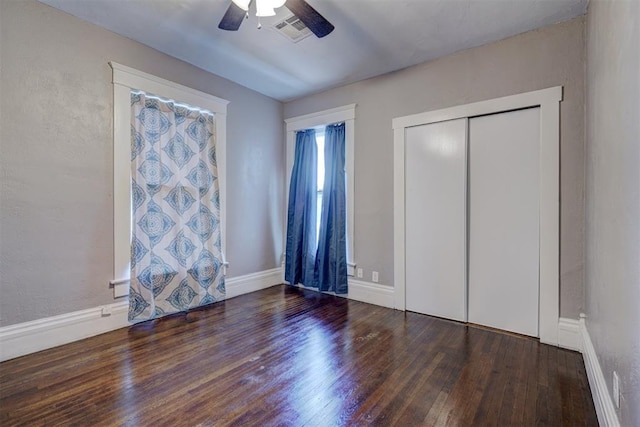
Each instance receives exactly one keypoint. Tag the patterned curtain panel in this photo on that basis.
(176, 255)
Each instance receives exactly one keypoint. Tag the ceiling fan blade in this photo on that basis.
(310, 17)
(232, 18)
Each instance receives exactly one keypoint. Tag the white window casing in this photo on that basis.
(126, 79)
(346, 114)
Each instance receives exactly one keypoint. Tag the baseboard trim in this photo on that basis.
(371, 293)
(253, 282)
(569, 336)
(607, 416)
(37, 335)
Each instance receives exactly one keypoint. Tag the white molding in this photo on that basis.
(548, 101)
(121, 184)
(136, 79)
(253, 282)
(124, 80)
(569, 336)
(121, 290)
(30, 337)
(549, 245)
(351, 268)
(371, 293)
(321, 118)
(350, 172)
(359, 290)
(399, 265)
(607, 416)
(506, 103)
(346, 114)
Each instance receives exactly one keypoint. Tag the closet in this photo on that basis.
(436, 219)
(503, 220)
(474, 196)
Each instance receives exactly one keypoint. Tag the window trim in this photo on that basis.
(126, 79)
(346, 114)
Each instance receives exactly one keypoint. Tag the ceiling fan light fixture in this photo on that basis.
(306, 14)
(265, 8)
(242, 4)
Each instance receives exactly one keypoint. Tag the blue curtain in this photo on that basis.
(331, 259)
(301, 216)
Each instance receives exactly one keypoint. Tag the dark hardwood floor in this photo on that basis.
(288, 357)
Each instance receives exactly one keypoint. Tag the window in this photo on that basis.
(126, 79)
(318, 121)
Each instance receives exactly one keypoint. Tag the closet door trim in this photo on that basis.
(549, 102)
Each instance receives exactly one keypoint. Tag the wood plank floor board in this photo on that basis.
(397, 377)
(290, 357)
(426, 362)
(531, 378)
(352, 381)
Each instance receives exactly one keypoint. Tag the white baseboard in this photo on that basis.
(569, 336)
(372, 293)
(253, 282)
(30, 337)
(607, 416)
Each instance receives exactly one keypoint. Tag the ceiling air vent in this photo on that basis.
(292, 28)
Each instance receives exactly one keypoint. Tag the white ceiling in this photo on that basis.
(372, 37)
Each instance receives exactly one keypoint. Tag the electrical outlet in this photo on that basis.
(374, 276)
(359, 273)
(616, 389)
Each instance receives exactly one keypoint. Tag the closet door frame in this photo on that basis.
(549, 256)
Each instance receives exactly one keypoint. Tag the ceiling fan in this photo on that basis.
(239, 9)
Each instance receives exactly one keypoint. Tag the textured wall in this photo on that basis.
(539, 59)
(56, 249)
(613, 196)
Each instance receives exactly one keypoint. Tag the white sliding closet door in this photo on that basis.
(504, 151)
(435, 219)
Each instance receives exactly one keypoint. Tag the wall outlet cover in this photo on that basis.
(374, 276)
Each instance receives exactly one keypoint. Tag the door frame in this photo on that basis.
(549, 247)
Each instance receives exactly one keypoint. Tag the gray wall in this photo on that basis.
(56, 196)
(613, 196)
(539, 59)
